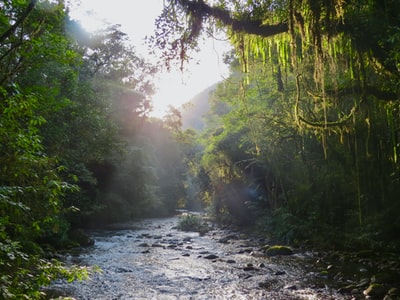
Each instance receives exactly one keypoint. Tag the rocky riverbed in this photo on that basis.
(152, 259)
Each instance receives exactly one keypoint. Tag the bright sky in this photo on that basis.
(136, 18)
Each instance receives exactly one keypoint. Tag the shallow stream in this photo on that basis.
(152, 259)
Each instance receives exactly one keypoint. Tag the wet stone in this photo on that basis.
(223, 240)
(247, 250)
(249, 267)
(122, 270)
(291, 287)
(375, 290)
(394, 292)
(363, 283)
(211, 256)
(278, 273)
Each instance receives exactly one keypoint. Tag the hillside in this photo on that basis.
(194, 110)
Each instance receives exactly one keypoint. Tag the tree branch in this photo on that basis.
(24, 15)
(224, 16)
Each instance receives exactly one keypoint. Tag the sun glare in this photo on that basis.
(137, 21)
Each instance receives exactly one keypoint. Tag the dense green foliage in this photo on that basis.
(304, 136)
(76, 145)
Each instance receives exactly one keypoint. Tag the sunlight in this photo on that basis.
(178, 88)
(172, 88)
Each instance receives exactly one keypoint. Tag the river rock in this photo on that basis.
(392, 294)
(388, 297)
(347, 289)
(375, 290)
(247, 250)
(123, 270)
(257, 254)
(211, 256)
(278, 250)
(291, 287)
(277, 273)
(225, 239)
(363, 283)
(249, 267)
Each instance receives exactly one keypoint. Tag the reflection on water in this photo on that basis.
(151, 259)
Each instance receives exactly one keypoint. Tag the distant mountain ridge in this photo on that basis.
(194, 110)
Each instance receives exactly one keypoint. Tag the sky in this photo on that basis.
(136, 18)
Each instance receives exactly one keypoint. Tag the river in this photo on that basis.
(152, 259)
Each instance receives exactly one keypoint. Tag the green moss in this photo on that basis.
(375, 290)
(278, 250)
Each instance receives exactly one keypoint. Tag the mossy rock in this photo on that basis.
(375, 290)
(278, 250)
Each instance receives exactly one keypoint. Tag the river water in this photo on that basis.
(152, 259)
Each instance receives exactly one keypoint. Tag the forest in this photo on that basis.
(301, 142)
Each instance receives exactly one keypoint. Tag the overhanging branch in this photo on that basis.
(256, 27)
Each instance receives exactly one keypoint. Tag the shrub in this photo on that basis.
(191, 222)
